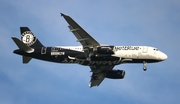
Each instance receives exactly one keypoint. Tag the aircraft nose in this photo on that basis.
(163, 56)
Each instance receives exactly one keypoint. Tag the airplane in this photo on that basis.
(100, 58)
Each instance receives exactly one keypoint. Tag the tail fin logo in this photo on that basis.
(28, 38)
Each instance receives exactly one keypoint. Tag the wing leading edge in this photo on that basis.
(82, 36)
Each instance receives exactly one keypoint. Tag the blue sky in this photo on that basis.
(118, 22)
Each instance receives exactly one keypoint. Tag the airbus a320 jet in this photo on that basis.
(100, 58)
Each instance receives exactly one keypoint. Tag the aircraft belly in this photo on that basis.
(90, 63)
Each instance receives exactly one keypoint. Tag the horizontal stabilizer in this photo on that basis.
(22, 46)
(26, 59)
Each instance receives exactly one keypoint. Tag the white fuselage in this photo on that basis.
(131, 52)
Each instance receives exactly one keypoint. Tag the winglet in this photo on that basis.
(62, 14)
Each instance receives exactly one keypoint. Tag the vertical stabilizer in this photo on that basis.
(28, 38)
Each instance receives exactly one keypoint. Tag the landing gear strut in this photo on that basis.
(144, 65)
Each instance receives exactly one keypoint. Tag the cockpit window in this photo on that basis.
(156, 49)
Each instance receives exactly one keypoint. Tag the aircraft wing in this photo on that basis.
(98, 74)
(82, 36)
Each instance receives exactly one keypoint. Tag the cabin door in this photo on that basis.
(43, 50)
(145, 49)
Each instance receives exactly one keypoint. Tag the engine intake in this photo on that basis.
(104, 50)
(115, 74)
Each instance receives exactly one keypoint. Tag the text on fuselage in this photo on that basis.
(57, 53)
(92, 62)
(127, 48)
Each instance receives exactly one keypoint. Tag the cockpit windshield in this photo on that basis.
(156, 49)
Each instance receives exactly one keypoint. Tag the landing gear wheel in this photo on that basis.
(144, 66)
(88, 59)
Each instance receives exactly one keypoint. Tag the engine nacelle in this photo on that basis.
(104, 50)
(115, 74)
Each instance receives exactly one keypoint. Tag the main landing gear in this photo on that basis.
(144, 65)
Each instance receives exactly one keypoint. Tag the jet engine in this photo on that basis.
(104, 50)
(115, 74)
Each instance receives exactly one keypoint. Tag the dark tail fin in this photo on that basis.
(28, 38)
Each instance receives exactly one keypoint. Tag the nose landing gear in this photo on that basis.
(144, 65)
